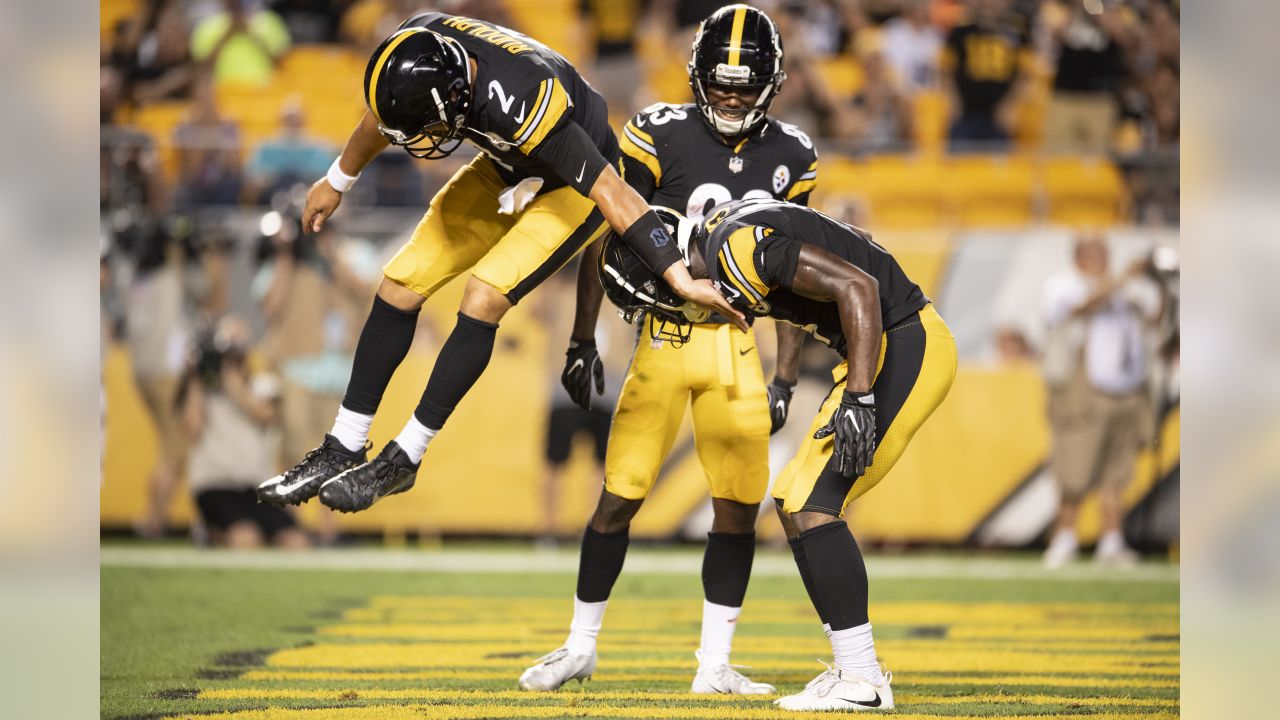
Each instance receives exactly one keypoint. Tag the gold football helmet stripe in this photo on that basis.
(381, 63)
(735, 35)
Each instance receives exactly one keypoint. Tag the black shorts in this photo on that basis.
(221, 509)
(567, 422)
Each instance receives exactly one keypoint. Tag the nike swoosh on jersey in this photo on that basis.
(744, 352)
(581, 172)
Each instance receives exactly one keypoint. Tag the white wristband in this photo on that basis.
(339, 180)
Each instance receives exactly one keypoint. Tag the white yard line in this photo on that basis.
(639, 561)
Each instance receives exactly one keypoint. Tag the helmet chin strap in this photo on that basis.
(750, 117)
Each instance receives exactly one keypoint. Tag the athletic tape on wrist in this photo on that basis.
(339, 180)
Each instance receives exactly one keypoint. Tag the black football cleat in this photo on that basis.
(301, 482)
(360, 487)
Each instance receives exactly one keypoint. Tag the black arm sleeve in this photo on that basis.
(639, 177)
(776, 259)
(651, 241)
(570, 151)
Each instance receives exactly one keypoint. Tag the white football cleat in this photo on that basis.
(1062, 550)
(726, 680)
(1112, 551)
(556, 669)
(838, 691)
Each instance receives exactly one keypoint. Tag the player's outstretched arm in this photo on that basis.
(326, 193)
(626, 211)
(825, 277)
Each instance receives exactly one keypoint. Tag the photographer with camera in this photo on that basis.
(1098, 364)
(231, 419)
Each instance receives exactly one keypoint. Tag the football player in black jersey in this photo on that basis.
(723, 146)
(542, 188)
(898, 362)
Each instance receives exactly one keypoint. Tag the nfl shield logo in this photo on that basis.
(735, 164)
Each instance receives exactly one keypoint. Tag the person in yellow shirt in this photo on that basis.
(240, 46)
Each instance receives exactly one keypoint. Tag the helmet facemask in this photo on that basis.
(750, 115)
(445, 114)
(640, 294)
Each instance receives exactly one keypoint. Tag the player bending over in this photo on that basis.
(541, 189)
(682, 156)
(899, 360)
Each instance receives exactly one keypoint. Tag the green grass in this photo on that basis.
(193, 640)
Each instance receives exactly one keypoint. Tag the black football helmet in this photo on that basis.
(639, 292)
(418, 87)
(737, 46)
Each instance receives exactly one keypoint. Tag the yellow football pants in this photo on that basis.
(718, 372)
(463, 229)
(916, 369)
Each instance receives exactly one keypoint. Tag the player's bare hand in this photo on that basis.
(322, 201)
(703, 293)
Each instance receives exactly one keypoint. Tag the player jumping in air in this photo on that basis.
(542, 188)
(723, 146)
(899, 360)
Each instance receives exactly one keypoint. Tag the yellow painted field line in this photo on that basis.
(747, 644)
(603, 677)
(372, 656)
(477, 712)
(636, 697)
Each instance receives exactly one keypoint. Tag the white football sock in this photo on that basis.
(413, 439)
(1110, 543)
(718, 624)
(587, 620)
(351, 428)
(855, 653)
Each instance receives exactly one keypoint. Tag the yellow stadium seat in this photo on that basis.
(1083, 191)
(158, 120)
(320, 64)
(991, 191)
(842, 74)
(905, 191)
(931, 116)
(111, 12)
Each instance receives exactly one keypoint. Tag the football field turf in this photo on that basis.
(366, 634)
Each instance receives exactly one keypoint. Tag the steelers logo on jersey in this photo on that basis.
(781, 177)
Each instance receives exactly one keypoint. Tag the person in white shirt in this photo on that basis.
(1097, 366)
(911, 45)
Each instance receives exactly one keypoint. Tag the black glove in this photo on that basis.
(779, 402)
(854, 425)
(582, 367)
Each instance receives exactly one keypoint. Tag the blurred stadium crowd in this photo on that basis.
(216, 115)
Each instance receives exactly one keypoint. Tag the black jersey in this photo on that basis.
(672, 158)
(984, 63)
(527, 98)
(752, 247)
